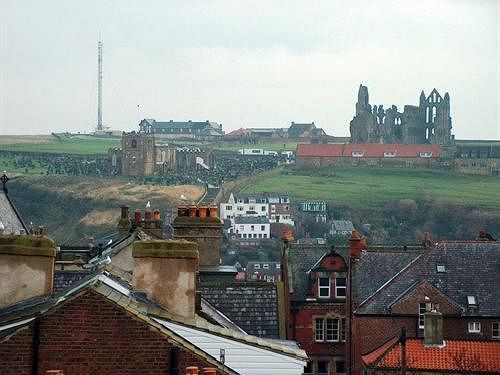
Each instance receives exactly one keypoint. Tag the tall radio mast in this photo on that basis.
(99, 86)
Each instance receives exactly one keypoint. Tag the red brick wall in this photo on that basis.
(304, 329)
(16, 353)
(90, 335)
(409, 304)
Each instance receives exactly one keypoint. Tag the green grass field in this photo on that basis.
(373, 187)
(83, 145)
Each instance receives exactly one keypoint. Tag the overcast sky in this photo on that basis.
(244, 63)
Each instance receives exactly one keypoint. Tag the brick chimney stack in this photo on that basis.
(203, 226)
(356, 244)
(26, 267)
(166, 271)
(433, 329)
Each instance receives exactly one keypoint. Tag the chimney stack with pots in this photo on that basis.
(356, 245)
(26, 267)
(166, 271)
(200, 224)
(433, 328)
(151, 222)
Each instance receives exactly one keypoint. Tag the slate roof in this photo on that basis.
(113, 284)
(64, 279)
(342, 225)
(9, 215)
(456, 356)
(369, 150)
(378, 264)
(472, 268)
(252, 306)
(302, 257)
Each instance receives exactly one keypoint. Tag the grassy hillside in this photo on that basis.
(373, 187)
(79, 144)
(70, 207)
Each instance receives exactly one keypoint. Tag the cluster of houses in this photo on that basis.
(144, 304)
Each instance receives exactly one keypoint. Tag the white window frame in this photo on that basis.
(256, 266)
(343, 287)
(474, 327)
(422, 309)
(332, 329)
(358, 154)
(471, 300)
(265, 266)
(495, 330)
(324, 287)
(319, 330)
(389, 154)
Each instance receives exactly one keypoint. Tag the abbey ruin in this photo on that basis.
(427, 123)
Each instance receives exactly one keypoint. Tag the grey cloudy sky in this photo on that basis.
(244, 63)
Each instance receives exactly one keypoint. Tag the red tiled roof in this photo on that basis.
(238, 132)
(456, 355)
(368, 150)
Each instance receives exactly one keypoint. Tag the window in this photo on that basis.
(474, 327)
(324, 287)
(318, 329)
(252, 228)
(389, 154)
(240, 208)
(278, 266)
(323, 367)
(425, 154)
(357, 154)
(251, 208)
(263, 208)
(340, 365)
(134, 143)
(229, 208)
(332, 330)
(441, 268)
(256, 266)
(495, 330)
(340, 287)
(262, 228)
(342, 330)
(266, 266)
(421, 311)
(308, 370)
(471, 300)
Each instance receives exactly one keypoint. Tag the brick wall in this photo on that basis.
(16, 352)
(90, 335)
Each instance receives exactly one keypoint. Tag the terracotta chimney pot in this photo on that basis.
(213, 211)
(54, 372)
(147, 215)
(192, 370)
(138, 216)
(209, 371)
(192, 211)
(181, 211)
(202, 211)
(156, 215)
(287, 236)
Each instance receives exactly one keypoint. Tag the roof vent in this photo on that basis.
(441, 268)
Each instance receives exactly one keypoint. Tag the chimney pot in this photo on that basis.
(156, 215)
(287, 236)
(192, 211)
(209, 371)
(181, 211)
(138, 216)
(125, 212)
(202, 211)
(192, 370)
(147, 215)
(213, 211)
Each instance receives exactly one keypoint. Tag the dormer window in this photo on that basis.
(471, 300)
(426, 154)
(256, 266)
(357, 154)
(389, 154)
(324, 287)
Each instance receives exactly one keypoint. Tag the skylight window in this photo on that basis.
(441, 268)
(472, 300)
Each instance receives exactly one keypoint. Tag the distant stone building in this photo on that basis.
(141, 156)
(200, 130)
(429, 122)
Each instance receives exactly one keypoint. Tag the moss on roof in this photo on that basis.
(27, 245)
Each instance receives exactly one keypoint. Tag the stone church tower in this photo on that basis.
(138, 155)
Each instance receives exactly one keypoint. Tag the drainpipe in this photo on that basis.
(174, 363)
(35, 346)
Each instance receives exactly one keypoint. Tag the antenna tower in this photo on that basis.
(99, 86)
